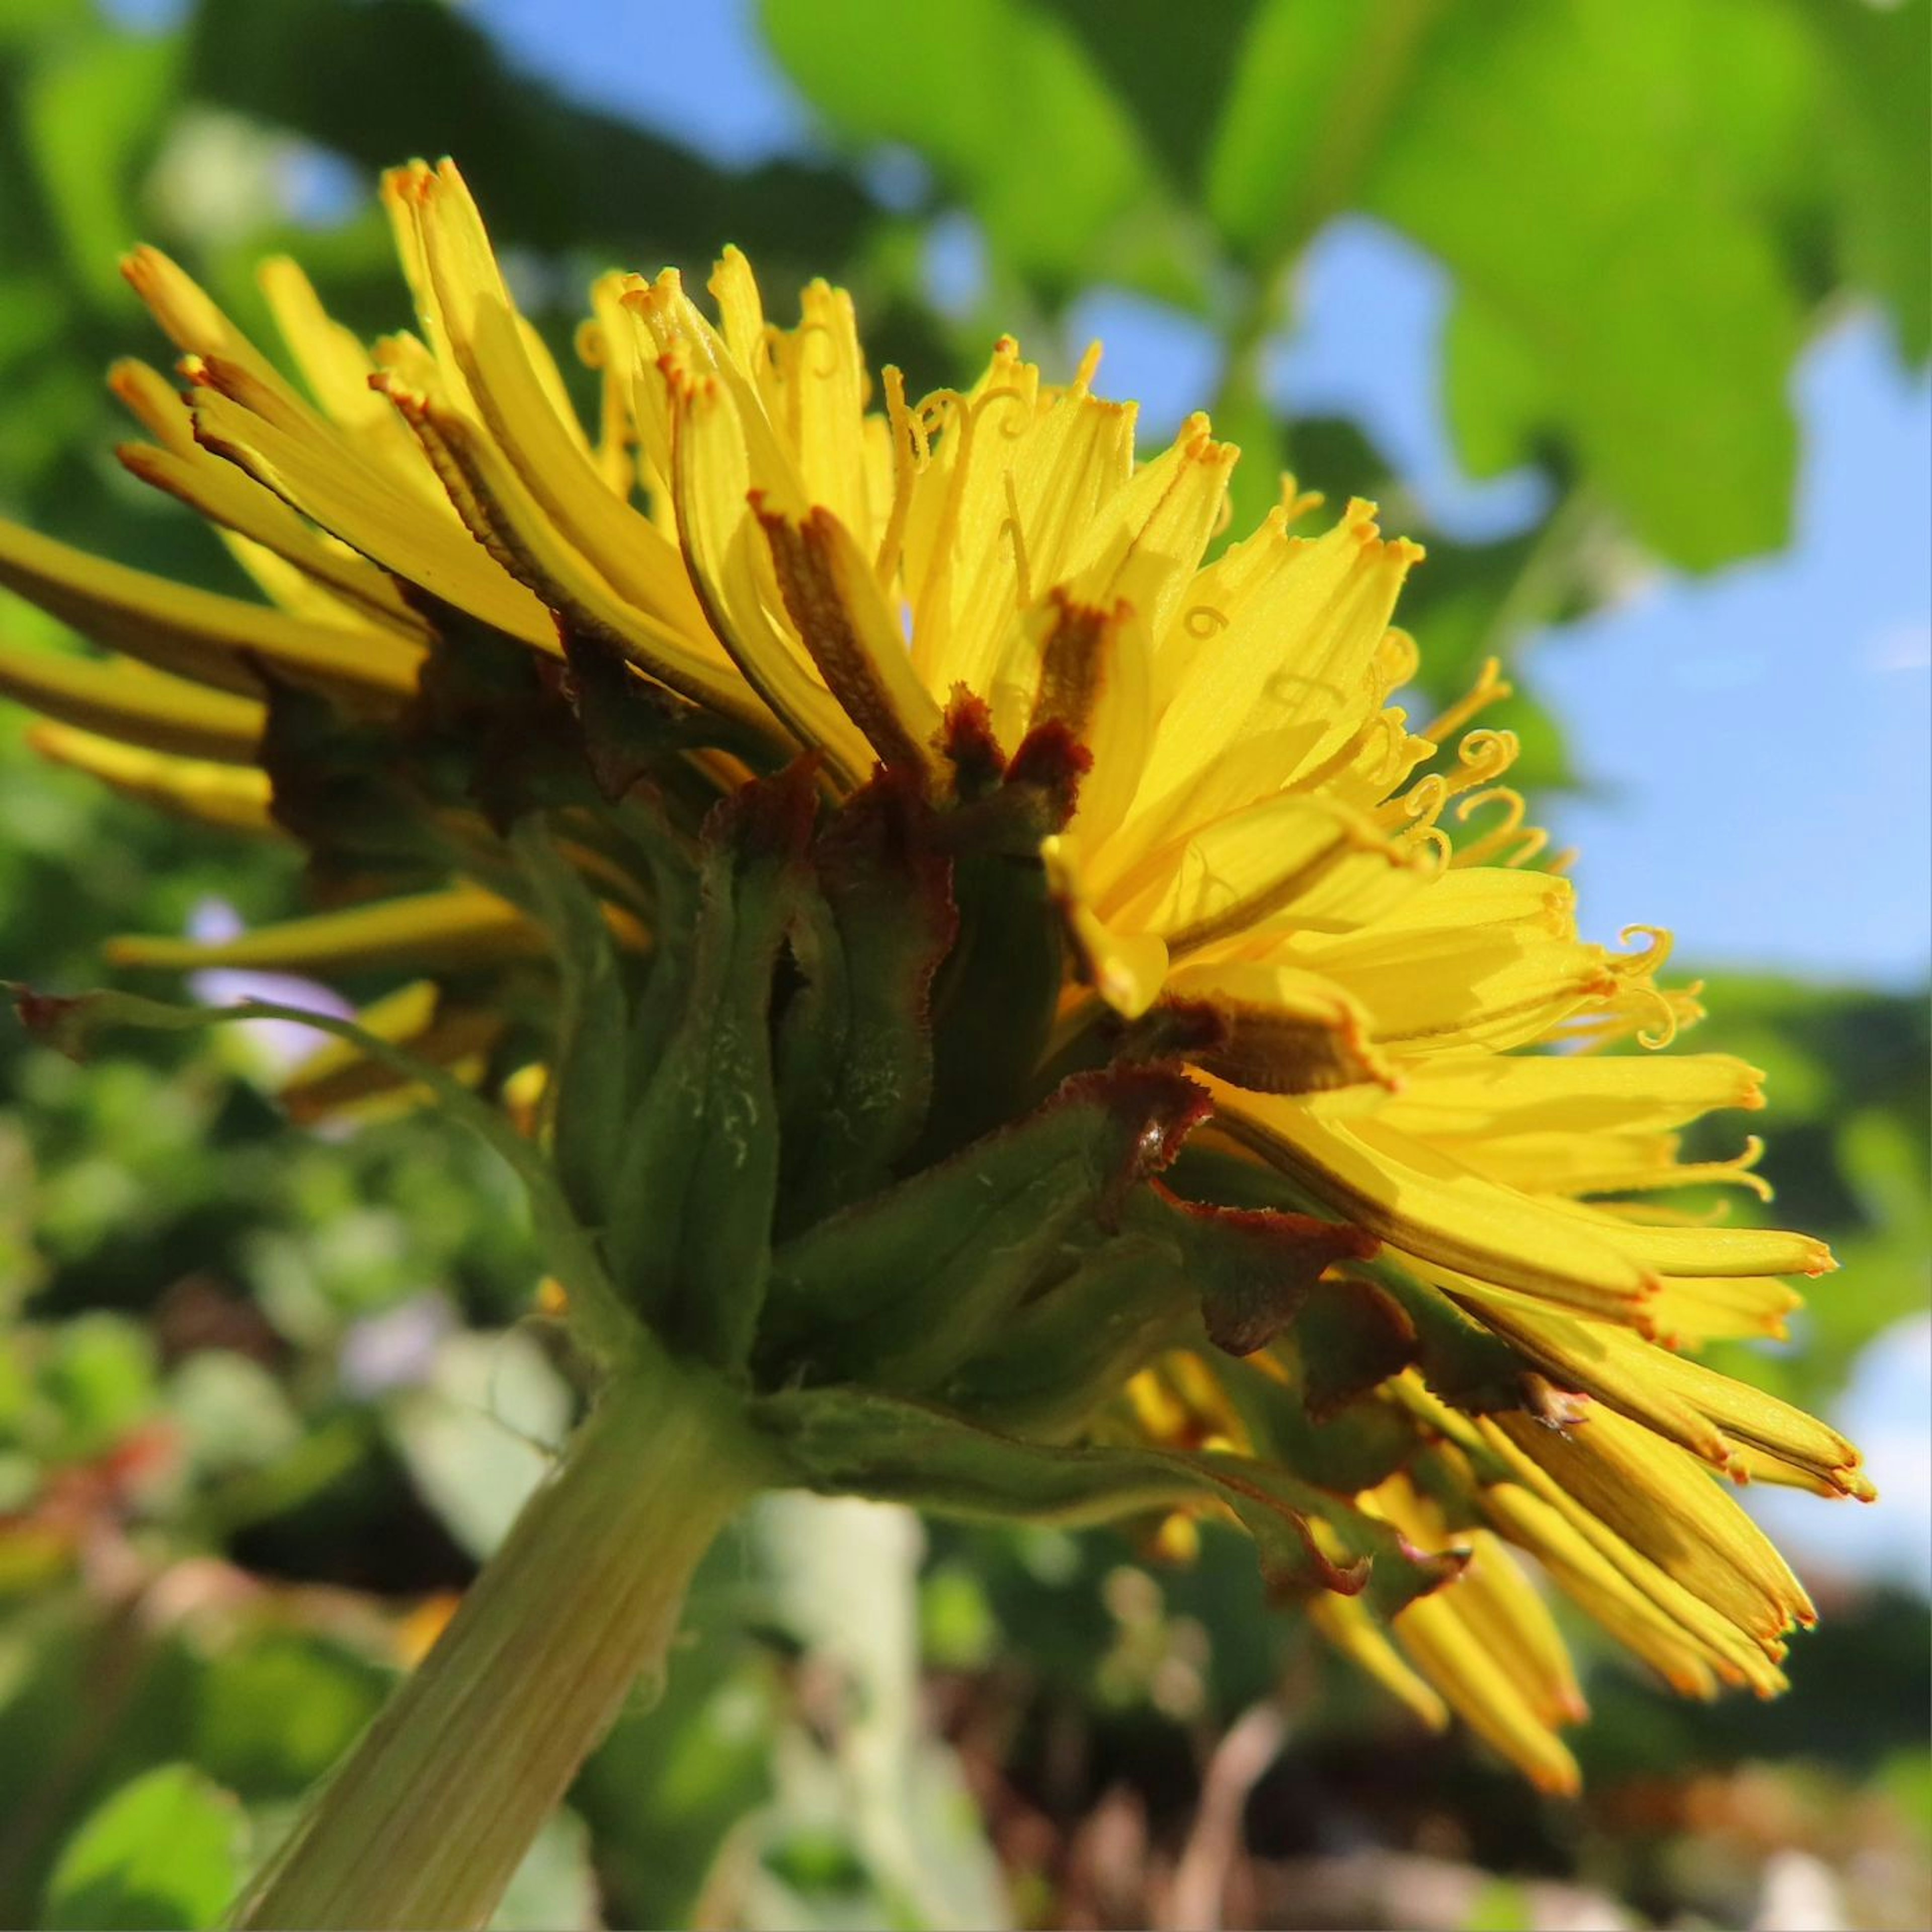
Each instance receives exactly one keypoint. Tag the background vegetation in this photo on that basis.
(268, 1395)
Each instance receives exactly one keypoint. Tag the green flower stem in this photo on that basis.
(425, 1821)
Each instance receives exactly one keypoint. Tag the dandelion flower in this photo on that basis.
(1176, 1082)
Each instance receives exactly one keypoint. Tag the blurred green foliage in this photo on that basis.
(267, 1397)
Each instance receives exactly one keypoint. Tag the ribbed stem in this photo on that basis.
(425, 1821)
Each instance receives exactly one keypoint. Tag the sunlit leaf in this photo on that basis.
(1000, 96)
(164, 1851)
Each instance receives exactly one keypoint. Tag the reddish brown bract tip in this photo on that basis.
(1160, 1102)
(43, 1014)
(1052, 760)
(966, 737)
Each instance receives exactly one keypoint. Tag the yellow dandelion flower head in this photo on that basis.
(1257, 866)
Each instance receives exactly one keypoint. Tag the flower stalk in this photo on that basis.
(426, 1820)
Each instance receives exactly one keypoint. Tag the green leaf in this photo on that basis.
(1462, 1362)
(1349, 1337)
(1000, 96)
(688, 1236)
(856, 1042)
(1879, 151)
(26, 21)
(71, 1024)
(1627, 195)
(902, 1289)
(1347, 1449)
(1058, 1359)
(335, 784)
(232, 1414)
(995, 996)
(1319, 82)
(1544, 152)
(164, 1851)
(488, 725)
(589, 1093)
(1173, 81)
(841, 1578)
(98, 1377)
(379, 80)
(93, 117)
(274, 1712)
(853, 1441)
(631, 727)
(1499, 397)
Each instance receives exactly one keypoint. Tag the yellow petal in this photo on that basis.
(1500, 1607)
(1493, 1601)
(1047, 473)
(1750, 1416)
(519, 397)
(711, 481)
(205, 636)
(392, 526)
(492, 500)
(1756, 1465)
(602, 344)
(1482, 1693)
(1578, 1355)
(660, 330)
(1125, 969)
(1083, 669)
(1147, 539)
(1295, 665)
(835, 604)
(1669, 1506)
(1692, 1647)
(460, 924)
(306, 572)
(155, 401)
(964, 534)
(1052, 667)
(1420, 1201)
(337, 368)
(1625, 1164)
(1348, 1626)
(1691, 1309)
(1482, 1093)
(1474, 958)
(463, 279)
(197, 327)
(1706, 1413)
(229, 796)
(119, 699)
(1577, 1165)
(813, 385)
(741, 310)
(228, 497)
(1204, 616)
(1239, 873)
(1710, 1250)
